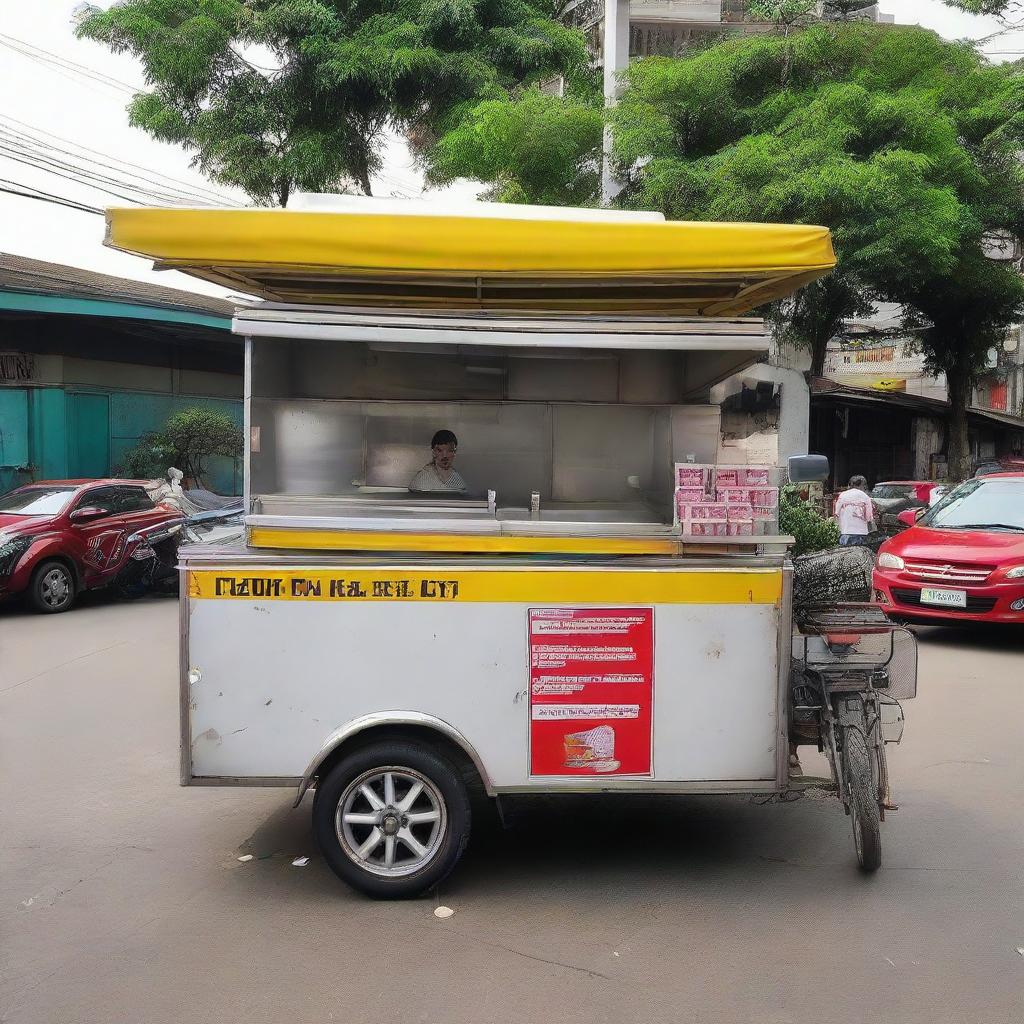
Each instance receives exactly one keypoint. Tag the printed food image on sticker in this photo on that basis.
(593, 749)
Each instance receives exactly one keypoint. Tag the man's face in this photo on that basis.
(444, 455)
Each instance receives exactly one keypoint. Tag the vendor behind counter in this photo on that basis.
(440, 474)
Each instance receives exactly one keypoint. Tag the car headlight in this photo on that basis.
(1016, 573)
(886, 560)
(10, 551)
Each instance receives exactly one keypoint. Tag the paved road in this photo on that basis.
(122, 899)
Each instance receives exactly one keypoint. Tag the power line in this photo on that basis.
(70, 177)
(24, 146)
(83, 175)
(46, 197)
(41, 56)
(15, 148)
(33, 130)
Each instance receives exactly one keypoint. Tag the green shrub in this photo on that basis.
(150, 458)
(803, 522)
(187, 439)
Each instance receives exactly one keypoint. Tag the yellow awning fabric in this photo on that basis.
(346, 258)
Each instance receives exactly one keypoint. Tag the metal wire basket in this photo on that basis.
(842, 645)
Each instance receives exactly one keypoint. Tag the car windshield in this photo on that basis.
(36, 501)
(987, 503)
(893, 491)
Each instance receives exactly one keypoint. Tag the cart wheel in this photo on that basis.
(392, 819)
(863, 800)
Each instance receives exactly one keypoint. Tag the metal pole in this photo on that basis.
(616, 58)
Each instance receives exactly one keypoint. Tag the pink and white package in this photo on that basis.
(706, 528)
(764, 496)
(727, 476)
(734, 495)
(688, 495)
(703, 519)
(689, 474)
(740, 527)
(707, 510)
(741, 520)
(756, 476)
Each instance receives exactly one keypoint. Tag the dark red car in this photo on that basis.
(60, 537)
(962, 560)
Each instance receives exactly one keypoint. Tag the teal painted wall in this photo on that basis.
(88, 417)
(133, 414)
(14, 427)
(50, 433)
(14, 446)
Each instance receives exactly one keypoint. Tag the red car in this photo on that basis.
(962, 560)
(61, 537)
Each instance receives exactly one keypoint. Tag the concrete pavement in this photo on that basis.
(122, 899)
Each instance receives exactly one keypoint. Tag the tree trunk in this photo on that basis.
(283, 191)
(361, 169)
(958, 454)
(819, 347)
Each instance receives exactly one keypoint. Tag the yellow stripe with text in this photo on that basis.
(345, 540)
(545, 586)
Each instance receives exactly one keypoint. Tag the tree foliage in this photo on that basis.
(278, 95)
(186, 441)
(531, 148)
(905, 145)
(785, 14)
(1007, 10)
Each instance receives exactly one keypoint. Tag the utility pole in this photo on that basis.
(616, 58)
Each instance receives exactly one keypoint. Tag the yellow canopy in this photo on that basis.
(473, 262)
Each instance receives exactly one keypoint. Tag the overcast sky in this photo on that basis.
(46, 92)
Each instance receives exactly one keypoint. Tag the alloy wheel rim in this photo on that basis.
(55, 588)
(391, 821)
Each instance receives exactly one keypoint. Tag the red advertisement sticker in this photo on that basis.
(591, 691)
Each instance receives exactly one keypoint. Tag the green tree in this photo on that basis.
(784, 14)
(278, 95)
(903, 144)
(531, 148)
(186, 441)
(961, 317)
(1009, 11)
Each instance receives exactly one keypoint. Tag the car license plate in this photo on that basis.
(945, 598)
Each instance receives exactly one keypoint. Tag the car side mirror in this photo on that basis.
(88, 513)
(805, 469)
(909, 516)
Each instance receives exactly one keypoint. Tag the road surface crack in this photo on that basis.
(64, 664)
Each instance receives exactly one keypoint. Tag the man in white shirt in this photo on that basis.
(439, 474)
(855, 513)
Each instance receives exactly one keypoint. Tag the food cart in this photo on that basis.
(584, 618)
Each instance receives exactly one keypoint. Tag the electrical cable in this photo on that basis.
(86, 176)
(82, 175)
(46, 197)
(28, 144)
(138, 167)
(72, 178)
(38, 54)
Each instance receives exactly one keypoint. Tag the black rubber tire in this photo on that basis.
(398, 754)
(35, 589)
(864, 812)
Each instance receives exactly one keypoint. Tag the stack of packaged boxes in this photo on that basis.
(725, 501)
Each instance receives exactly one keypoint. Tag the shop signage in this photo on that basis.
(17, 367)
